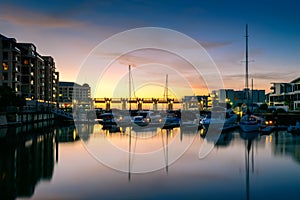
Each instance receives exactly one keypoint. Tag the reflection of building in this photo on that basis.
(24, 162)
(237, 97)
(283, 145)
(286, 94)
(71, 93)
(27, 72)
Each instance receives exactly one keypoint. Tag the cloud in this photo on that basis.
(21, 16)
(211, 45)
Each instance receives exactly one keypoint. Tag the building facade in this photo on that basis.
(285, 94)
(10, 58)
(27, 72)
(235, 98)
(196, 102)
(72, 94)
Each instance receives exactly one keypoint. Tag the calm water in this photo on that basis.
(53, 163)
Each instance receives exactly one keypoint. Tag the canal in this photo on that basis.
(62, 162)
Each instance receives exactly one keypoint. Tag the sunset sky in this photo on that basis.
(69, 31)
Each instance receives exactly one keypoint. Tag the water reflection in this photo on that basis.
(28, 155)
(25, 159)
(249, 138)
(222, 140)
(286, 145)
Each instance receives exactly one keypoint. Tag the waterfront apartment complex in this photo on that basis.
(235, 98)
(285, 94)
(71, 94)
(28, 73)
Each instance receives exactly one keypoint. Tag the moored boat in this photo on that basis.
(229, 122)
(250, 123)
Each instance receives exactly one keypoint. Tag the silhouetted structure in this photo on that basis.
(27, 72)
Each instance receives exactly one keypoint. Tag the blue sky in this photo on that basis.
(69, 30)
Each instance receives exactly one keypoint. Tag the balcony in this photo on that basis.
(17, 49)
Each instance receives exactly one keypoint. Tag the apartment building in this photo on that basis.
(285, 94)
(28, 73)
(72, 94)
(238, 97)
(10, 58)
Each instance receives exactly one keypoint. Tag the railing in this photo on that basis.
(62, 113)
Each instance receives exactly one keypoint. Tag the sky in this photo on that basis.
(71, 31)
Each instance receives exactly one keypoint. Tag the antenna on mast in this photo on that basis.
(247, 61)
(166, 88)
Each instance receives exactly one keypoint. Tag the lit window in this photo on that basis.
(25, 62)
(5, 66)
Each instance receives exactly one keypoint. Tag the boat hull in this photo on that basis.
(250, 127)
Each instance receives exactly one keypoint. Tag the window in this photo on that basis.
(5, 66)
(6, 44)
(26, 62)
(5, 55)
(5, 76)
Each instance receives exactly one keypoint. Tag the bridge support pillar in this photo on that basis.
(124, 101)
(170, 104)
(155, 101)
(140, 104)
(107, 103)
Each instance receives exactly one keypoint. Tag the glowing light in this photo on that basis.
(74, 134)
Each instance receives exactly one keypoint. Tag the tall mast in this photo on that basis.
(129, 88)
(246, 90)
(246, 78)
(166, 89)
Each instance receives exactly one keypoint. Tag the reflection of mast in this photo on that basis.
(166, 148)
(129, 166)
(167, 158)
(249, 144)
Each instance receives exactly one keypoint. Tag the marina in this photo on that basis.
(253, 165)
(150, 100)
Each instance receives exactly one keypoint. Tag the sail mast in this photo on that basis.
(247, 62)
(129, 88)
(166, 87)
(246, 78)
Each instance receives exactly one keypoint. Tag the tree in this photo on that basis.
(9, 98)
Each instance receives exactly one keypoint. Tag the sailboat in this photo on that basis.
(171, 119)
(249, 122)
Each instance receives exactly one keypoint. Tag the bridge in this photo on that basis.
(152, 103)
